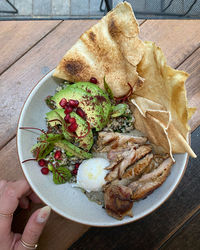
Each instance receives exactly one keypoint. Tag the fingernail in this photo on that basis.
(43, 214)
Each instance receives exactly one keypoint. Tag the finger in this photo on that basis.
(34, 227)
(35, 198)
(11, 194)
(16, 238)
(9, 201)
(2, 184)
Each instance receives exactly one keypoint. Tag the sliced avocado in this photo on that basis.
(87, 102)
(52, 115)
(70, 148)
(99, 94)
(58, 114)
(85, 142)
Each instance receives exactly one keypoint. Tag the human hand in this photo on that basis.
(13, 194)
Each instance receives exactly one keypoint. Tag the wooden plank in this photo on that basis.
(46, 55)
(18, 37)
(187, 237)
(148, 233)
(192, 66)
(59, 233)
(177, 39)
(26, 72)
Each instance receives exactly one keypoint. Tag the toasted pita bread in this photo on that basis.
(111, 48)
(161, 110)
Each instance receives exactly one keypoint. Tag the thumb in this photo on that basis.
(34, 227)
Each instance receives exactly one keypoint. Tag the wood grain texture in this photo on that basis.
(59, 233)
(18, 80)
(187, 237)
(18, 37)
(148, 233)
(24, 74)
(192, 66)
(177, 38)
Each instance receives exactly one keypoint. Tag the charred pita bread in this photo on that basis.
(161, 110)
(111, 48)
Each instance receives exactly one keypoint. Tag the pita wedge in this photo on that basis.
(161, 110)
(109, 49)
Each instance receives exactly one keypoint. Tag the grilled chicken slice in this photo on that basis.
(124, 182)
(118, 202)
(116, 155)
(138, 168)
(157, 160)
(149, 182)
(129, 157)
(109, 141)
(114, 163)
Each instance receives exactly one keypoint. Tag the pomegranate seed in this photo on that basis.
(66, 118)
(74, 172)
(68, 109)
(80, 112)
(63, 102)
(45, 171)
(42, 162)
(72, 128)
(73, 103)
(57, 154)
(93, 80)
(77, 165)
(72, 120)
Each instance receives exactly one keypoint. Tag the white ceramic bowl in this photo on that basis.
(64, 199)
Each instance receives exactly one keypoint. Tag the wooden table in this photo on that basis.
(28, 50)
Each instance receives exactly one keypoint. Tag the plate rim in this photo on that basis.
(118, 223)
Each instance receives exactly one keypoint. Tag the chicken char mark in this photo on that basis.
(118, 201)
(113, 141)
(138, 168)
(151, 181)
(129, 157)
(119, 198)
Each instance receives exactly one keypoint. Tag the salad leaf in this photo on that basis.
(47, 150)
(42, 149)
(45, 145)
(119, 110)
(51, 137)
(108, 90)
(61, 175)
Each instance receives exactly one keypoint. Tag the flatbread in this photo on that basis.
(111, 48)
(161, 110)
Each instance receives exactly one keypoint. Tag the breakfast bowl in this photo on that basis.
(65, 199)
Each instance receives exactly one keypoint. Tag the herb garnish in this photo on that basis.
(61, 175)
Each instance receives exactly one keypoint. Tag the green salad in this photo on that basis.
(78, 111)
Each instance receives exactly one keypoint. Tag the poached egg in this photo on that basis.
(91, 174)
